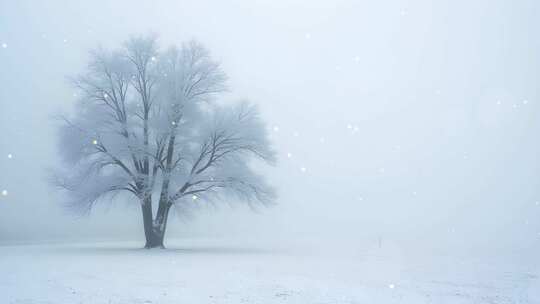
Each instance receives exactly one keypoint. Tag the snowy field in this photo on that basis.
(212, 271)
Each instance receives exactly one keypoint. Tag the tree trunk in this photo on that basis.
(154, 230)
(160, 224)
(164, 205)
(152, 240)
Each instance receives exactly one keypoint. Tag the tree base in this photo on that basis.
(155, 246)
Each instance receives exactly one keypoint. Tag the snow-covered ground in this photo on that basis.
(210, 271)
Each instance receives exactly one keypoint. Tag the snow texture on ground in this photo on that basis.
(217, 272)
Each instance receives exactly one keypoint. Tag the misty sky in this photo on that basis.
(401, 119)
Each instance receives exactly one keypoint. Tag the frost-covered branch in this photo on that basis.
(220, 164)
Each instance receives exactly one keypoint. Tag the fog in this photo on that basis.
(410, 121)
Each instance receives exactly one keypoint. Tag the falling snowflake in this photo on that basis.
(4, 45)
(94, 142)
(153, 58)
(194, 197)
(303, 169)
(391, 286)
(9, 156)
(4, 192)
(349, 126)
(525, 101)
(276, 128)
(289, 155)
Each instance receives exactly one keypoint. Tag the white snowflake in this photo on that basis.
(94, 142)
(303, 169)
(10, 156)
(4, 45)
(276, 128)
(525, 101)
(391, 286)
(4, 192)
(194, 197)
(289, 155)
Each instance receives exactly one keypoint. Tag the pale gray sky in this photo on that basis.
(412, 119)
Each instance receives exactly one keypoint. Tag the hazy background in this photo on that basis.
(415, 121)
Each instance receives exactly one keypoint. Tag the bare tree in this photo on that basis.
(147, 125)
